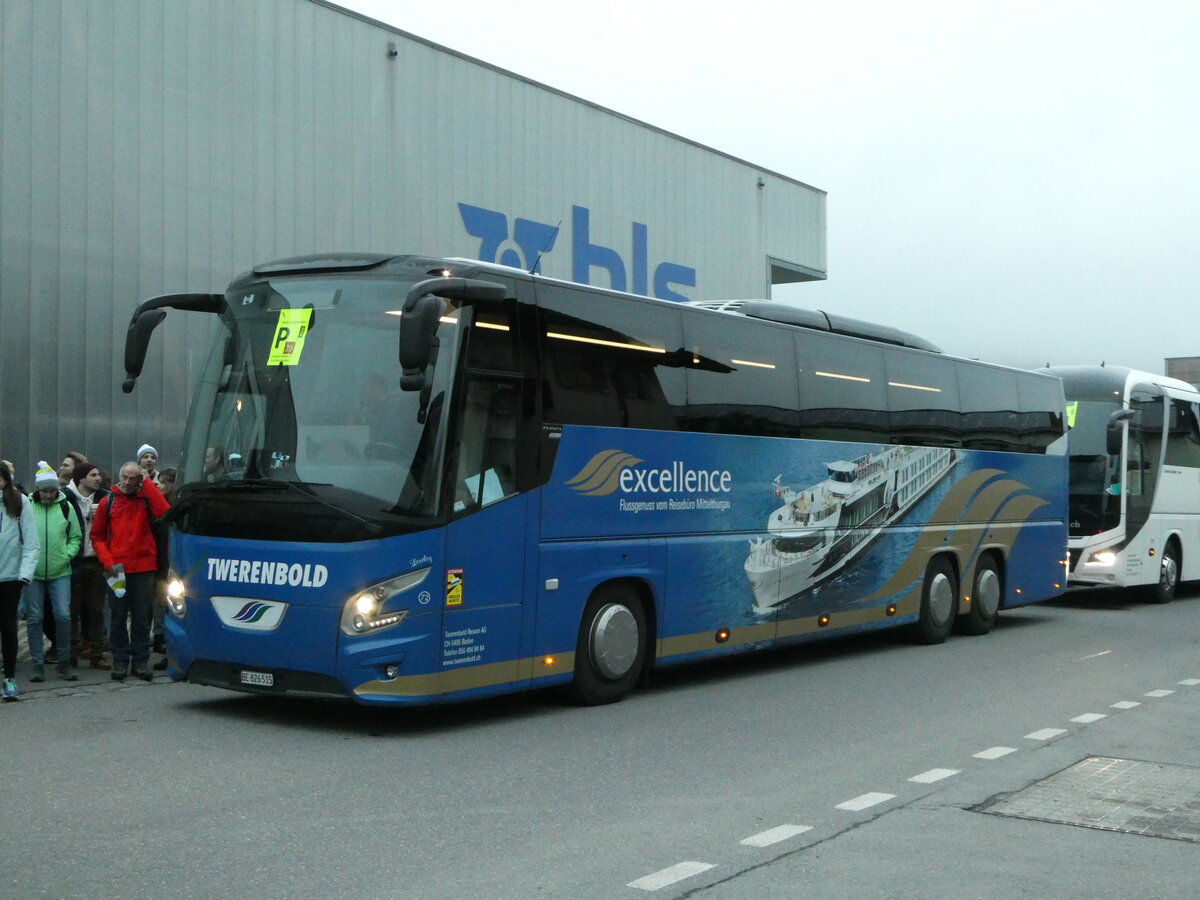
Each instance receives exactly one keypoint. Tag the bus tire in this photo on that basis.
(939, 602)
(985, 598)
(610, 651)
(1168, 575)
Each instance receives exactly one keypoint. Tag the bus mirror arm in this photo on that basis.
(419, 320)
(148, 316)
(1112, 434)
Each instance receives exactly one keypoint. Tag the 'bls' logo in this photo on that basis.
(530, 240)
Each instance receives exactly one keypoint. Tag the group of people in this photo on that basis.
(83, 562)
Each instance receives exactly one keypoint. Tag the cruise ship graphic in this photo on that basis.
(819, 530)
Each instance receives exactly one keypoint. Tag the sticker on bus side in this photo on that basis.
(454, 587)
(288, 341)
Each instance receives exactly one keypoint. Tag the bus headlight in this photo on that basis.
(176, 601)
(1102, 558)
(364, 612)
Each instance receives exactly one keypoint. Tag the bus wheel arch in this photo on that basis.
(987, 593)
(613, 647)
(1163, 591)
(939, 600)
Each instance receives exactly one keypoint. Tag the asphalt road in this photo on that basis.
(855, 768)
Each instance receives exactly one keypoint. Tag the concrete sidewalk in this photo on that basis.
(54, 686)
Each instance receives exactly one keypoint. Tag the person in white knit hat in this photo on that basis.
(147, 458)
(60, 532)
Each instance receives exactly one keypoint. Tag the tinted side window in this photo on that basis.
(922, 393)
(609, 362)
(842, 389)
(990, 408)
(741, 377)
(1042, 413)
(1183, 435)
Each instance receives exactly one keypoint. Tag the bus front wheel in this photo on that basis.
(939, 602)
(611, 649)
(985, 599)
(1168, 575)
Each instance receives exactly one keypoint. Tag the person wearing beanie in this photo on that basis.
(147, 458)
(60, 532)
(89, 638)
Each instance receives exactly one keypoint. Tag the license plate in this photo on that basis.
(262, 679)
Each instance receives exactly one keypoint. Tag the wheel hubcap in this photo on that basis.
(615, 641)
(941, 598)
(1170, 572)
(987, 593)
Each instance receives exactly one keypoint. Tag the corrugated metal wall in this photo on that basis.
(149, 146)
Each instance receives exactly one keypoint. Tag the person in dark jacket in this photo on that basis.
(124, 541)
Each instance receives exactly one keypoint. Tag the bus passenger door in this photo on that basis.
(485, 541)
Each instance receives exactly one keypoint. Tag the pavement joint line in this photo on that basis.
(774, 835)
(1045, 734)
(865, 801)
(1088, 718)
(671, 875)
(1158, 693)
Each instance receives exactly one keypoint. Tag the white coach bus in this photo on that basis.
(1134, 447)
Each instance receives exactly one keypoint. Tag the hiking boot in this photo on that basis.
(100, 661)
(117, 675)
(10, 690)
(52, 655)
(160, 666)
(143, 674)
(66, 672)
(39, 673)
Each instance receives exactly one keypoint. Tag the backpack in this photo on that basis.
(69, 502)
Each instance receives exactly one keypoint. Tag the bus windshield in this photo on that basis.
(1095, 483)
(300, 407)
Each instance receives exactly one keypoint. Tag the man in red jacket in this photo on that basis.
(121, 535)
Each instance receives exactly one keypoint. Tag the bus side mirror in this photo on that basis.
(419, 320)
(1113, 430)
(147, 317)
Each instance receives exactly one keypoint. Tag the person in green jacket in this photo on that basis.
(60, 532)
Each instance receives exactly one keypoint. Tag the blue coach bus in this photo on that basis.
(409, 480)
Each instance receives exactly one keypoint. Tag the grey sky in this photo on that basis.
(1012, 180)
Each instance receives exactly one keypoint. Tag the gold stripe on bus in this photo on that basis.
(465, 678)
(707, 640)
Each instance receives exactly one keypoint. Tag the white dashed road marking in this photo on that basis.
(934, 775)
(670, 875)
(775, 835)
(865, 801)
(1045, 734)
(1088, 718)
(1190, 681)
(1158, 693)
(1126, 704)
(995, 752)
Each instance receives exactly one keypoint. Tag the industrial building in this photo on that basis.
(154, 146)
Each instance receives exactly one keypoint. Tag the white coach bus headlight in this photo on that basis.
(364, 612)
(1102, 558)
(175, 596)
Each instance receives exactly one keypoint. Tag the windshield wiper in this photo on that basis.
(198, 490)
(307, 491)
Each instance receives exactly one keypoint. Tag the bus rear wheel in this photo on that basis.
(611, 648)
(939, 602)
(1168, 575)
(985, 599)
